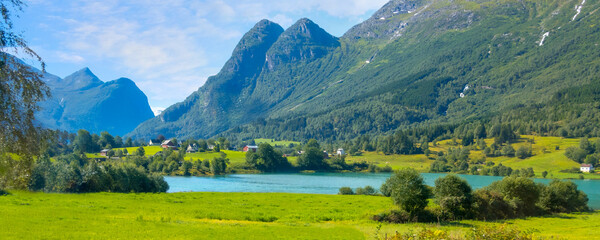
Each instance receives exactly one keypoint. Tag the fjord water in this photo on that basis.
(329, 183)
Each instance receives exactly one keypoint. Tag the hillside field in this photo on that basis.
(232, 216)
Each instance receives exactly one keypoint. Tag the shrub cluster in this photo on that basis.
(501, 232)
(454, 199)
(76, 175)
(368, 190)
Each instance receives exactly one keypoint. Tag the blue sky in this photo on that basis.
(169, 48)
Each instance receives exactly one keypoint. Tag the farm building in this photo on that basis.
(250, 148)
(192, 148)
(104, 152)
(340, 152)
(168, 144)
(586, 168)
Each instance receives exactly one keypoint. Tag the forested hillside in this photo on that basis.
(533, 64)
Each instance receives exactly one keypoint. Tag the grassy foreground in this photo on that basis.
(230, 216)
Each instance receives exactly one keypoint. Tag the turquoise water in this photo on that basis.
(330, 183)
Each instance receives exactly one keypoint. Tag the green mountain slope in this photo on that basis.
(425, 62)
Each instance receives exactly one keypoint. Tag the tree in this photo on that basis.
(408, 190)
(563, 197)
(312, 143)
(312, 159)
(523, 152)
(576, 154)
(106, 139)
(128, 142)
(508, 151)
(544, 174)
(520, 192)
(84, 142)
(140, 151)
(21, 88)
(267, 159)
(346, 191)
(454, 195)
(218, 165)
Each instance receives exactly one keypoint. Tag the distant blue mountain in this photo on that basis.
(82, 101)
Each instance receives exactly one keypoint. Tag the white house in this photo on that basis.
(340, 152)
(586, 168)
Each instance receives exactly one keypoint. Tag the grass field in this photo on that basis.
(230, 216)
(419, 162)
(234, 156)
(282, 143)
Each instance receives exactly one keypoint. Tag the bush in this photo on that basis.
(520, 192)
(346, 191)
(501, 232)
(490, 205)
(524, 152)
(563, 197)
(408, 190)
(368, 190)
(454, 195)
(2, 192)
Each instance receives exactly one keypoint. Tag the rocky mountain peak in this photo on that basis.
(304, 40)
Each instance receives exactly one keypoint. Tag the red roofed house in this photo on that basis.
(250, 148)
(168, 144)
(586, 168)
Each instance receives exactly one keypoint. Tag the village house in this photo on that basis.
(154, 142)
(211, 147)
(192, 148)
(250, 148)
(586, 168)
(169, 144)
(104, 152)
(340, 152)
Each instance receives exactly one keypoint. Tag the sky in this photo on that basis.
(168, 48)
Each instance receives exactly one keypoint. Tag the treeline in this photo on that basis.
(57, 142)
(75, 174)
(508, 198)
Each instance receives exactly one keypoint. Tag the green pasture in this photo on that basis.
(234, 156)
(282, 143)
(419, 162)
(28, 215)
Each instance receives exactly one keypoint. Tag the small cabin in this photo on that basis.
(340, 152)
(154, 142)
(250, 148)
(104, 152)
(586, 168)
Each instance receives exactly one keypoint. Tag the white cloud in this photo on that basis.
(70, 58)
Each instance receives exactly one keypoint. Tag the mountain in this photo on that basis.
(82, 101)
(413, 63)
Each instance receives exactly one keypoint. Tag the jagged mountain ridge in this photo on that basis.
(409, 64)
(82, 101)
(239, 92)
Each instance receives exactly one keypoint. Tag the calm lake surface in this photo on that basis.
(329, 183)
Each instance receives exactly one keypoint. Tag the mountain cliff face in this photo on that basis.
(414, 62)
(82, 101)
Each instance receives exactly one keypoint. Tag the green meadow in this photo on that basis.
(281, 143)
(28, 215)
